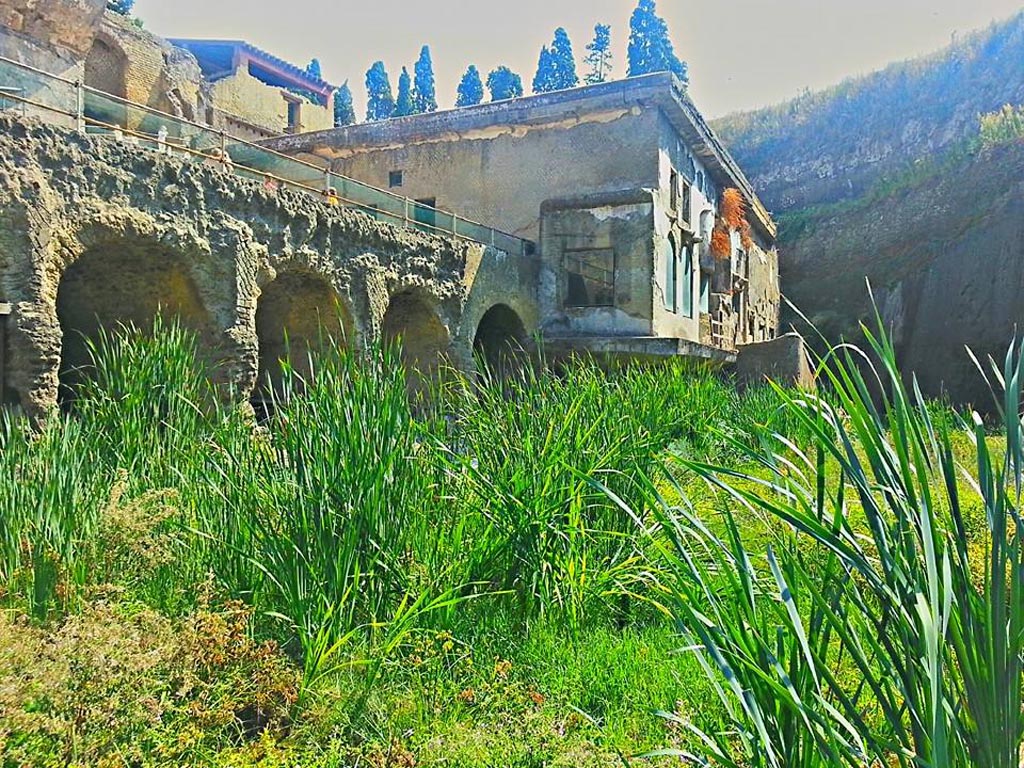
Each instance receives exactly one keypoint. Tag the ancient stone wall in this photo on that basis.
(499, 174)
(583, 238)
(51, 35)
(783, 360)
(247, 97)
(134, 64)
(94, 231)
(69, 25)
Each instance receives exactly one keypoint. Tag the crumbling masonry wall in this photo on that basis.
(92, 229)
(52, 35)
(135, 64)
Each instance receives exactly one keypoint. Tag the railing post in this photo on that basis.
(407, 211)
(492, 237)
(327, 179)
(455, 224)
(223, 148)
(79, 107)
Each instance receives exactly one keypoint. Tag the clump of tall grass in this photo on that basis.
(322, 518)
(523, 457)
(874, 632)
(147, 400)
(49, 513)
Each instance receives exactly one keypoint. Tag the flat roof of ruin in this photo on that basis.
(662, 89)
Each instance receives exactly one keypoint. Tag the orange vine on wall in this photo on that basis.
(732, 217)
(721, 243)
(732, 210)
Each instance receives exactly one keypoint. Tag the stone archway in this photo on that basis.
(119, 283)
(106, 69)
(412, 321)
(297, 313)
(500, 342)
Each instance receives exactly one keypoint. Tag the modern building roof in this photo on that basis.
(219, 58)
(663, 90)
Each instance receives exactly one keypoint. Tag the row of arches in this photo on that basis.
(296, 312)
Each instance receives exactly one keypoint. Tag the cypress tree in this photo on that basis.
(314, 70)
(599, 58)
(380, 103)
(504, 84)
(544, 80)
(650, 47)
(404, 105)
(471, 88)
(123, 7)
(344, 111)
(424, 92)
(564, 61)
(556, 68)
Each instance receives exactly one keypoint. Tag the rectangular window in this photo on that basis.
(673, 191)
(395, 179)
(294, 116)
(686, 282)
(591, 277)
(685, 202)
(671, 286)
(705, 292)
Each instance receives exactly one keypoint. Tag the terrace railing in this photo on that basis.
(31, 92)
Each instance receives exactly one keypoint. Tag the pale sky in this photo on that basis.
(742, 53)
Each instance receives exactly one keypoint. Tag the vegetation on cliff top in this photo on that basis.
(893, 117)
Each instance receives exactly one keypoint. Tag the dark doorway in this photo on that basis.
(116, 284)
(411, 321)
(500, 342)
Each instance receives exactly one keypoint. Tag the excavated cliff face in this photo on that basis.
(872, 180)
(94, 229)
(945, 258)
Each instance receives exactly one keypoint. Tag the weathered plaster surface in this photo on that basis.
(222, 240)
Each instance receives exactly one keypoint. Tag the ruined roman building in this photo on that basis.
(141, 176)
(618, 184)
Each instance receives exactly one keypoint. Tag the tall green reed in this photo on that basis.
(929, 630)
(321, 516)
(52, 493)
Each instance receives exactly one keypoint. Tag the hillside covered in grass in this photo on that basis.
(842, 142)
(900, 178)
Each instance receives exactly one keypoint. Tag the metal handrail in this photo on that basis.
(459, 223)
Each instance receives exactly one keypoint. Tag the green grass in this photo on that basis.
(493, 580)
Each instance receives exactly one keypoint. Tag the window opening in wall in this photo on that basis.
(294, 116)
(671, 286)
(395, 179)
(590, 274)
(686, 196)
(737, 305)
(673, 191)
(705, 292)
(686, 280)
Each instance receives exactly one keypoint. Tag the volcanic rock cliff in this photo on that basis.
(885, 178)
